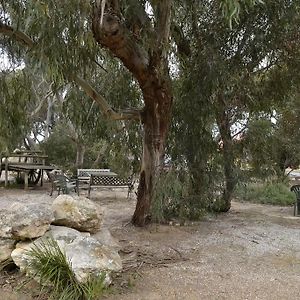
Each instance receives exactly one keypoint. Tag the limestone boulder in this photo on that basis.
(22, 221)
(19, 255)
(79, 213)
(88, 256)
(6, 247)
(107, 239)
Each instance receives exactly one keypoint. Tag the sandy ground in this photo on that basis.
(252, 252)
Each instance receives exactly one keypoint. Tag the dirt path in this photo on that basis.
(252, 252)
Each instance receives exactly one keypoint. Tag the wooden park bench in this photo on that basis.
(84, 176)
(110, 180)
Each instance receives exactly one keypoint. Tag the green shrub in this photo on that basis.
(50, 265)
(173, 200)
(265, 193)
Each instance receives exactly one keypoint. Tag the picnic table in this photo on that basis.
(30, 163)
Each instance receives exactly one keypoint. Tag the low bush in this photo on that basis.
(173, 200)
(265, 193)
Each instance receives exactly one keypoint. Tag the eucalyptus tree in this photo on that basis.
(62, 38)
(232, 71)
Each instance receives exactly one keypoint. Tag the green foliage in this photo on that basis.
(259, 144)
(272, 146)
(52, 268)
(60, 148)
(231, 9)
(65, 43)
(173, 200)
(276, 193)
(226, 80)
(14, 102)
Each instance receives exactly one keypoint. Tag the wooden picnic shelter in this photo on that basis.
(31, 163)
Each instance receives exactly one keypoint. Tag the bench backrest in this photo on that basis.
(110, 181)
(62, 182)
(296, 190)
(87, 172)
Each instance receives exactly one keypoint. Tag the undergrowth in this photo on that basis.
(172, 199)
(51, 266)
(265, 193)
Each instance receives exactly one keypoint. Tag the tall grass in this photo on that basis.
(51, 266)
(276, 193)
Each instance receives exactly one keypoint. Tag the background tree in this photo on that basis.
(62, 46)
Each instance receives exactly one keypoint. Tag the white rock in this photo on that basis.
(22, 221)
(6, 247)
(19, 255)
(80, 213)
(88, 256)
(105, 237)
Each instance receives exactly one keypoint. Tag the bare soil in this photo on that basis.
(252, 252)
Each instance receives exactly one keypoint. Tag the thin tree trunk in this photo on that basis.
(48, 118)
(97, 160)
(79, 155)
(228, 157)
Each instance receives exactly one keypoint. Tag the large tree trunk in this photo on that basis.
(149, 67)
(223, 122)
(155, 121)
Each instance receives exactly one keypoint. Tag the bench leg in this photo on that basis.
(77, 187)
(52, 189)
(89, 192)
(26, 181)
(130, 190)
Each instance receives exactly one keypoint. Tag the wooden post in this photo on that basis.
(6, 171)
(26, 180)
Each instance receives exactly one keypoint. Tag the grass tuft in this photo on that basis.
(51, 266)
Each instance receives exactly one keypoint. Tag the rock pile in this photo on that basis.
(69, 221)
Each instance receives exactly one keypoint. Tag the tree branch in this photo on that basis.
(163, 22)
(114, 35)
(89, 90)
(16, 34)
(105, 107)
(41, 102)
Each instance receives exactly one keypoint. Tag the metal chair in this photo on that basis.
(296, 190)
(63, 184)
